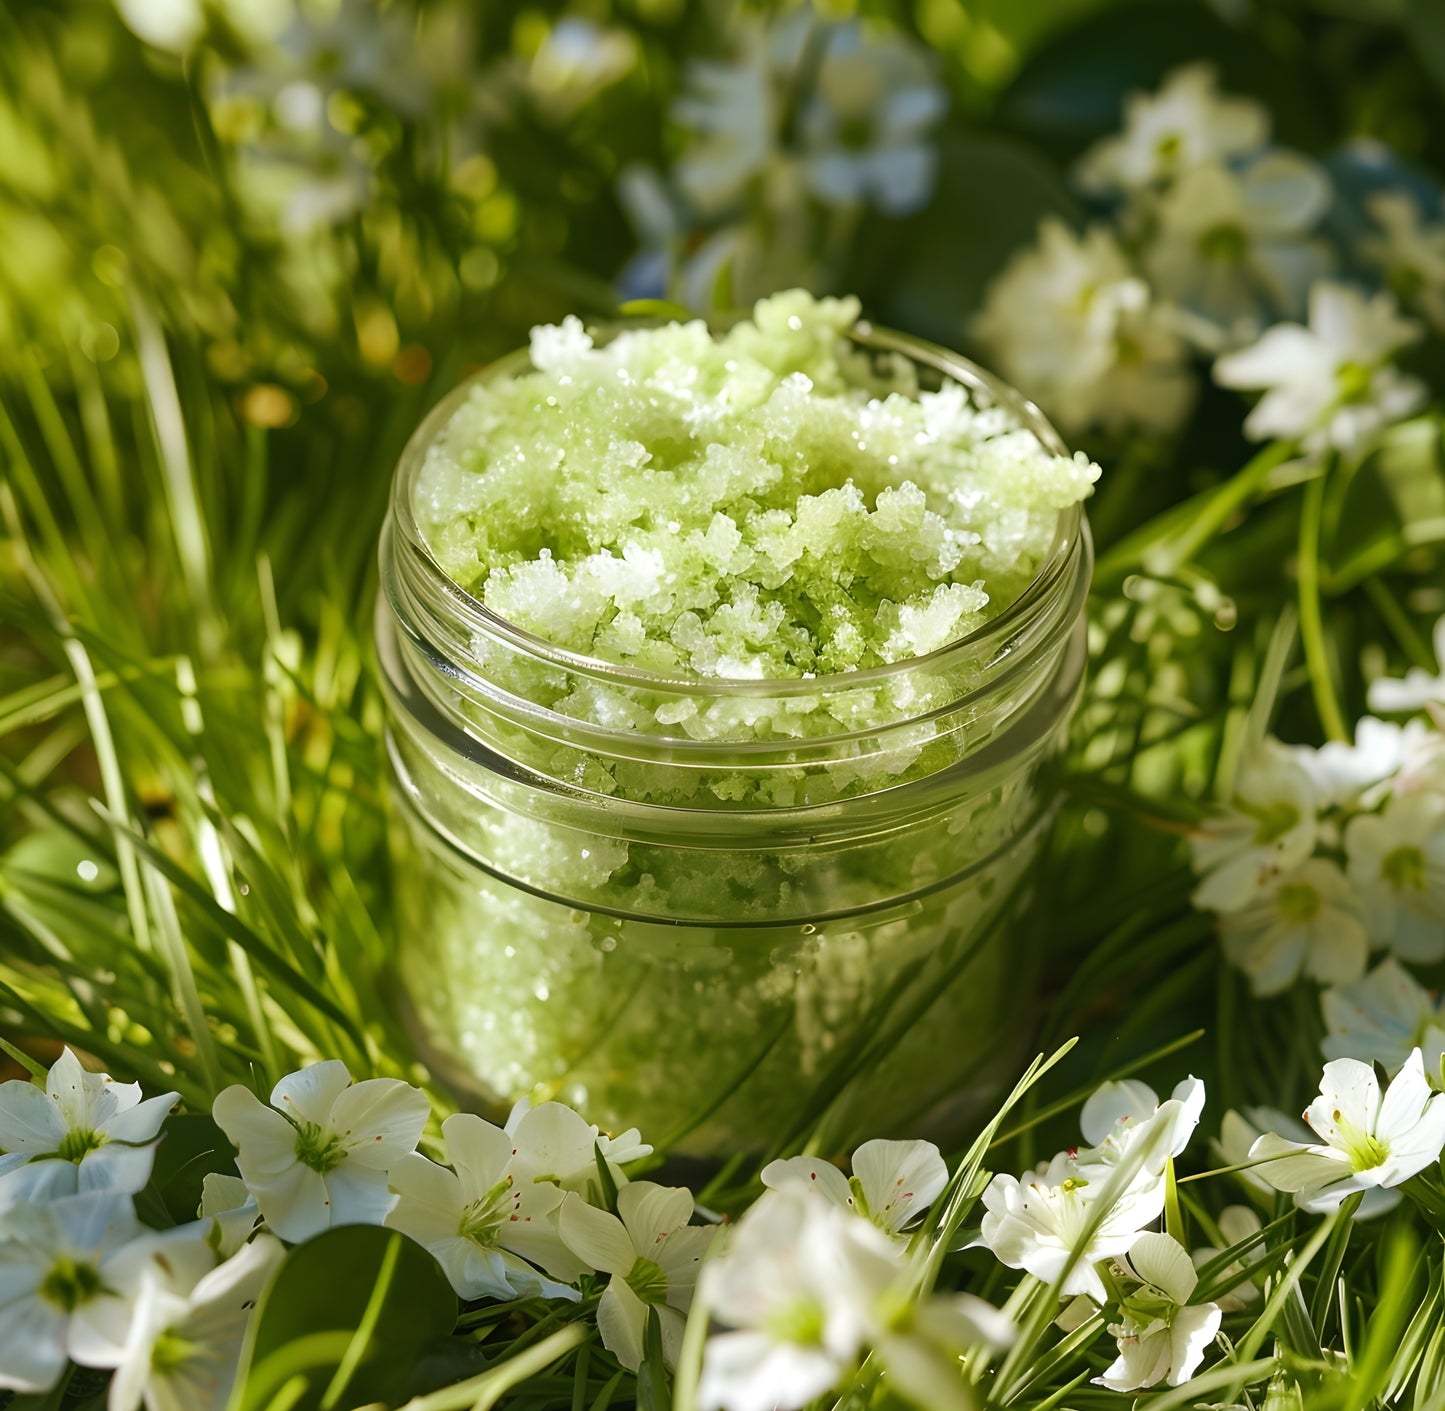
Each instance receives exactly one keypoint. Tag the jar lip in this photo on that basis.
(480, 619)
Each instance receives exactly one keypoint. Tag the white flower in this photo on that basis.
(790, 1286)
(1068, 322)
(561, 1146)
(1396, 861)
(652, 1254)
(188, 1321)
(577, 60)
(1160, 1335)
(1120, 1117)
(1417, 688)
(1411, 253)
(1331, 384)
(80, 1132)
(1304, 922)
(319, 1155)
(892, 1183)
(1367, 1141)
(1270, 825)
(864, 126)
(1038, 1223)
(804, 1289)
(1381, 1018)
(730, 110)
(487, 1219)
(1185, 124)
(1344, 773)
(58, 1271)
(1233, 243)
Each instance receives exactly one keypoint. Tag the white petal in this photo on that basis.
(900, 1179)
(808, 1173)
(1162, 1261)
(380, 1120)
(430, 1203)
(308, 1095)
(595, 1236)
(652, 1212)
(32, 1345)
(622, 1321)
(267, 1141)
(1288, 1167)
(1190, 1334)
(30, 1120)
(1127, 1101)
(294, 1203)
(1349, 1098)
(479, 1151)
(140, 1123)
(116, 1168)
(554, 1141)
(1404, 1102)
(749, 1371)
(358, 1195)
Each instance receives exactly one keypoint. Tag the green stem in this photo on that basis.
(1311, 619)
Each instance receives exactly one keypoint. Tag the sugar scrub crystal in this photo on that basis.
(723, 671)
(764, 504)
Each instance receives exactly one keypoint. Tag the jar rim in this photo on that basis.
(477, 618)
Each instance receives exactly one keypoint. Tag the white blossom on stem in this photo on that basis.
(1040, 1223)
(1332, 384)
(1347, 774)
(1270, 825)
(1383, 1018)
(1234, 244)
(1365, 1139)
(1120, 1117)
(1303, 922)
(1069, 322)
(1417, 688)
(1187, 123)
(188, 1321)
(319, 1155)
(892, 1184)
(1396, 863)
(864, 128)
(490, 1223)
(79, 1132)
(652, 1253)
(1161, 1335)
(60, 1269)
(802, 1290)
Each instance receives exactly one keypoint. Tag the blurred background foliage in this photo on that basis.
(245, 243)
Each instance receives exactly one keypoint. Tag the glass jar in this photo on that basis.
(723, 941)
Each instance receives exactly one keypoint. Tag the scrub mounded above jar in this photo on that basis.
(767, 503)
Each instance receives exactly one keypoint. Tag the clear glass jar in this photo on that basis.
(721, 941)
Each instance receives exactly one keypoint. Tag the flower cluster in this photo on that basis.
(1080, 1223)
(1212, 235)
(816, 1277)
(806, 121)
(82, 1280)
(1323, 855)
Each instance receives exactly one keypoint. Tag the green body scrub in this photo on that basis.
(727, 666)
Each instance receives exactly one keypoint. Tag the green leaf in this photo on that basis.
(1425, 24)
(37, 1071)
(654, 308)
(310, 1319)
(653, 1391)
(192, 1146)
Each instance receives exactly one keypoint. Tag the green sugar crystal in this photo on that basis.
(770, 503)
